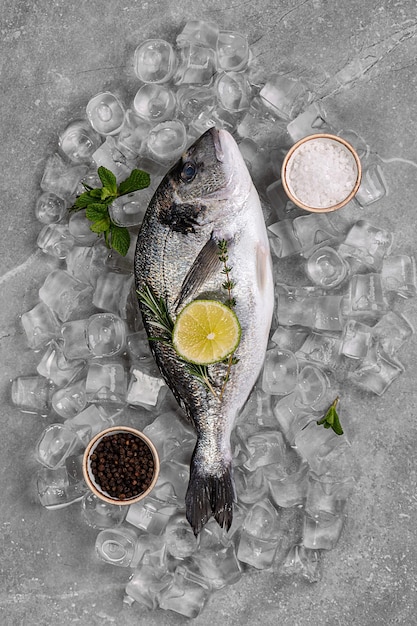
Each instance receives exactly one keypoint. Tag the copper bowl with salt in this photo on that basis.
(321, 173)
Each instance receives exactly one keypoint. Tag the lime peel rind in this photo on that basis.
(190, 320)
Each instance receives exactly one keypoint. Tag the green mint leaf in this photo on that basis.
(101, 225)
(95, 193)
(96, 212)
(83, 200)
(337, 426)
(107, 196)
(331, 419)
(137, 180)
(108, 180)
(120, 239)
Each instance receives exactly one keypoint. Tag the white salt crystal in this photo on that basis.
(321, 173)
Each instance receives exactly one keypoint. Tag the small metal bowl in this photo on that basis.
(291, 155)
(88, 474)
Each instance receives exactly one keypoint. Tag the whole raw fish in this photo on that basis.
(206, 198)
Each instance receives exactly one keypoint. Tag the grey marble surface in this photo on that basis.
(54, 56)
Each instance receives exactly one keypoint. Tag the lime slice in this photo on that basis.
(205, 332)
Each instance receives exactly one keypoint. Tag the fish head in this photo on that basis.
(210, 171)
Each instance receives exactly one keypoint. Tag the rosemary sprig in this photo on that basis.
(160, 317)
(201, 372)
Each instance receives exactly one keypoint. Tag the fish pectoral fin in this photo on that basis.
(206, 264)
(209, 495)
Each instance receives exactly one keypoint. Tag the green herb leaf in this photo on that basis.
(96, 211)
(84, 200)
(137, 180)
(331, 419)
(120, 239)
(101, 225)
(108, 180)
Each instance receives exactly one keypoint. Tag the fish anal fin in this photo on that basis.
(206, 264)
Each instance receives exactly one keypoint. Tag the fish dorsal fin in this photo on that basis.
(206, 264)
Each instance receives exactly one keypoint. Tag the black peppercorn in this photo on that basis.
(122, 465)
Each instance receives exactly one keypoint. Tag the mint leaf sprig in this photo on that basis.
(331, 419)
(96, 203)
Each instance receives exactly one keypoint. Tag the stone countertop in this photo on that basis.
(54, 56)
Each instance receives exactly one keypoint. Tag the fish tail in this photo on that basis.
(210, 495)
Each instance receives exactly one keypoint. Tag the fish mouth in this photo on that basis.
(237, 178)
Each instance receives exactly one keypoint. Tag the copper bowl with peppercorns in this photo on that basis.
(121, 465)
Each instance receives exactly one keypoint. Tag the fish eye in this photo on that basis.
(188, 172)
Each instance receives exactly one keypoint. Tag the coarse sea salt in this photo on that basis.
(321, 173)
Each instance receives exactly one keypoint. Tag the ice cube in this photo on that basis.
(145, 388)
(106, 382)
(232, 51)
(112, 292)
(119, 546)
(155, 61)
(304, 562)
(233, 91)
(398, 273)
(196, 65)
(79, 227)
(377, 371)
(280, 372)
(155, 103)
(56, 490)
(50, 208)
(60, 178)
(64, 294)
(78, 141)
(32, 394)
(71, 399)
(309, 122)
(285, 96)
(201, 32)
(87, 263)
(167, 141)
(55, 365)
(99, 514)
(187, 595)
(391, 331)
(216, 558)
(264, 448)
(319, 535)
(55, 444)
(106, 113)
(40, 325)
(56, 239)
(180, 539)
(373, 185)
(314, 442)
(260, 535)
